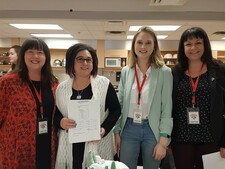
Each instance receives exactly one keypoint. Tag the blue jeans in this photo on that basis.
(135, 137)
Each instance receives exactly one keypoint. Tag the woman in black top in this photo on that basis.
(198, 101)
(84, 83)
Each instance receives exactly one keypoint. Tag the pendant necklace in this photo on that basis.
(79, 94)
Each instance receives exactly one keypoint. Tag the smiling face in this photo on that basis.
(144, 46)
(194, 49)
(83, 64)
(34, 59)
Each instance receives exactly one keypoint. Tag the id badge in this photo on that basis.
(193, 115)
(42, 126)
(137, 116)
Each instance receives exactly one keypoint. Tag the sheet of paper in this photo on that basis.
(86, 113)
(213, 161)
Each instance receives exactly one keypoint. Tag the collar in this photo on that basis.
(139, 70)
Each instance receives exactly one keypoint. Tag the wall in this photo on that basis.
(104, 48)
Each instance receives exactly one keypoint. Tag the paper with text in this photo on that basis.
(86, 114)
(213, 161)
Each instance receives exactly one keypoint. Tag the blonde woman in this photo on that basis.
(145, 92)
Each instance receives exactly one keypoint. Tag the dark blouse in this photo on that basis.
(111, 103)
(182, 131)
(43, 141)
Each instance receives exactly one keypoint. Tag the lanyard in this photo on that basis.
(194, 85)
(138, 85)
(39, 97)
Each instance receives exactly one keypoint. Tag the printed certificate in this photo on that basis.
(86, 114)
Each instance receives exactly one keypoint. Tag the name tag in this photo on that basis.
(42, 126)
(137, 116)
(193, 115)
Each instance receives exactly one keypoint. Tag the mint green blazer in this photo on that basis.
(160, 99)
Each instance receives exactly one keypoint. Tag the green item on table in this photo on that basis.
(113, 165)
(91, 158)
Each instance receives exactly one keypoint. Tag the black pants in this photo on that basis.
(189, 156)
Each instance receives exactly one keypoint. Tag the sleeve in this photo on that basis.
(3, 101)
(113, 106)
(57, 118)
(166, 123)
(117, 127)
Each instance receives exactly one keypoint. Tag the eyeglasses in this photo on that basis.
(82, 59)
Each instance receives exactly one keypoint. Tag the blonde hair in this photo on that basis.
(155, 58)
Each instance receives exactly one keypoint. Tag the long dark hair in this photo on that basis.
(47, 76)
(194, 32)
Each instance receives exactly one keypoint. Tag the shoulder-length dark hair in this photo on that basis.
(71, 54)
(156, 58)
(47, 76)
(17, 50)
(194, 32)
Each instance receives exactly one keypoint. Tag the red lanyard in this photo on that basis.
(194, 85)
(138, 85)
(39, 99)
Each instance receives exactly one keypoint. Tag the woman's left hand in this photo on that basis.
(159, 151)
(222, 152)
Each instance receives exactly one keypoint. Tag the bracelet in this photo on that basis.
(164, 135)
(165, 147)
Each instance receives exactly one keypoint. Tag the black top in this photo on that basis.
(184, 132)
(43, 141)
(111, 103)
(212, 87)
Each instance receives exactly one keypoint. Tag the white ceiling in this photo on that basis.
(88, 19)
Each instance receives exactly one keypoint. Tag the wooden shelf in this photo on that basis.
(221, 55)
(60, 68)
(170, 61)
(112, 69)
(5, 66)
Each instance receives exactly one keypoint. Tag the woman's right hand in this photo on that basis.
(117, 143)
(66, 123)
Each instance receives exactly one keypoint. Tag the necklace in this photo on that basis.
(79, 94)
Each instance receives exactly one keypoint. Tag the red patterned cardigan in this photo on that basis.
(18, 125)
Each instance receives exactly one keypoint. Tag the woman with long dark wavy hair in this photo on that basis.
(198, 101)
(27, 104)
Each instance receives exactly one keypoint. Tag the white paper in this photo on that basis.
(86, 114)
(213, 161)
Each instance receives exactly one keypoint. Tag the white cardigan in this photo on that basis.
(105, 147)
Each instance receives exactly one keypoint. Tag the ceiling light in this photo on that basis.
(165, 27)
(157, 27)
(53, 35)
(37, 26)
(158, 36)
(130, 36)
(162, 36)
